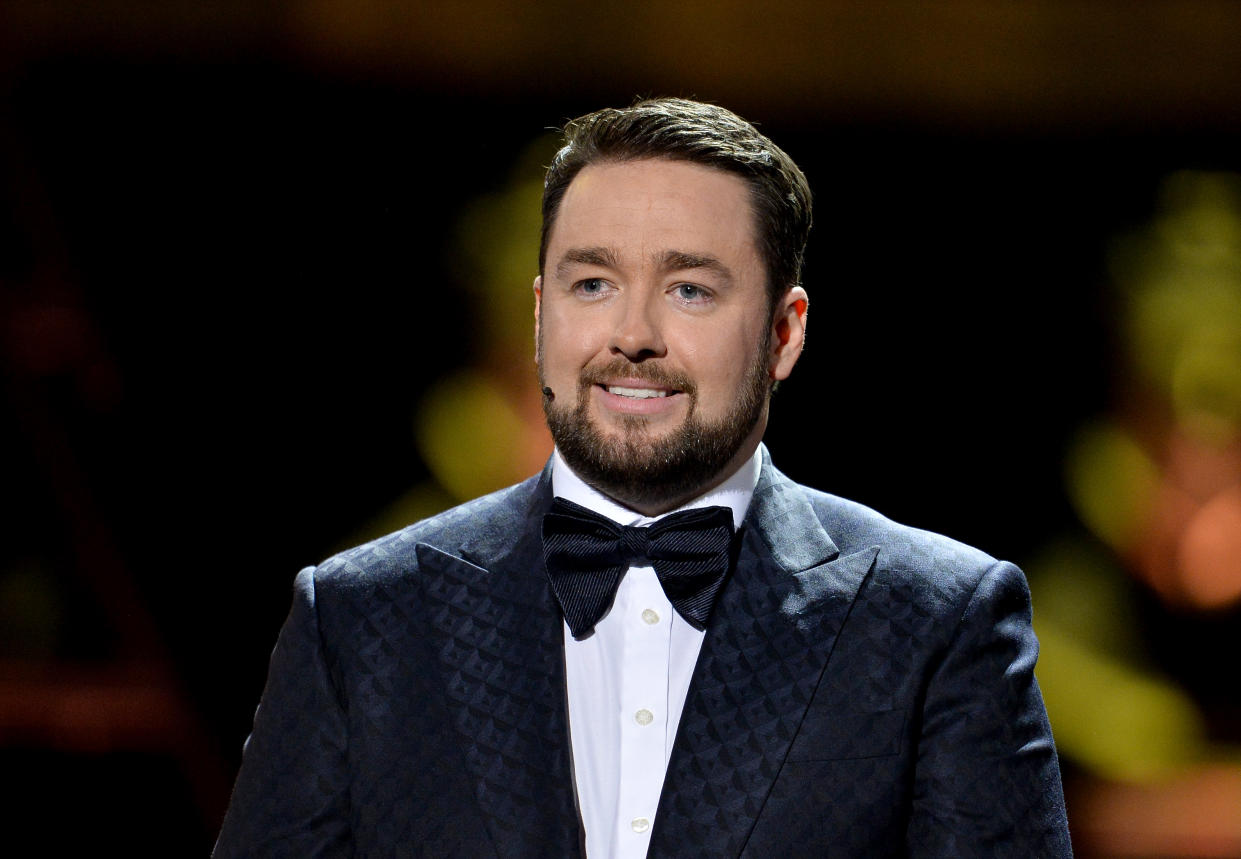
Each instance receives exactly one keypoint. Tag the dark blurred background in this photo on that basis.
(265, 292)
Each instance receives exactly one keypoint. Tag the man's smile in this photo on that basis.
(636, 393)
(637, 396)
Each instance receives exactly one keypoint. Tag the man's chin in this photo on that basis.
(631, 432)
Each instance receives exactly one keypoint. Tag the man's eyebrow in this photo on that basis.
(600, 256)
(669, 261)
(681, 261)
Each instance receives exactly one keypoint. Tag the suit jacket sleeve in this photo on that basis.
(291, 797)
(987, 782)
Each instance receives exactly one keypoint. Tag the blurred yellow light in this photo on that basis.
(1201, 223)
(467, 433)
(1181, 280)
(1118, 721)
(1112, 483)
(1206, 386)
(1108, 713)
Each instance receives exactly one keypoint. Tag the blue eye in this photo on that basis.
(690, 292)
(590, 286)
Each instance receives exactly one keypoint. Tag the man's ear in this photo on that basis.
(538, 299)
(788, 332)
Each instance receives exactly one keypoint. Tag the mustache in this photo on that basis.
(656, 374)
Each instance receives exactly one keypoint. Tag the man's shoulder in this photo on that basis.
(488, 521)
(906, 553)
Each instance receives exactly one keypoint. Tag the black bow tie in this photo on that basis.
(588, 554)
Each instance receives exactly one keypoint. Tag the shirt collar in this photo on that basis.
(734, 493)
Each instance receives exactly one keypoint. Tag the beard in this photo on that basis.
(642, 469)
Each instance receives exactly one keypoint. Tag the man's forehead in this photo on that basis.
(691, 209)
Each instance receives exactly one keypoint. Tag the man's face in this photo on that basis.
(655, 331)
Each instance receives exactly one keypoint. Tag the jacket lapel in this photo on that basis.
(497, 635)
(769, 638)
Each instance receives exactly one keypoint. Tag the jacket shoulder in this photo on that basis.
(488, 520)
(905, 553)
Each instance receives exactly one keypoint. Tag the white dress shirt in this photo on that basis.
(628, 682)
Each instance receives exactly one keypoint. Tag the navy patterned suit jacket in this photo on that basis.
(864, 689)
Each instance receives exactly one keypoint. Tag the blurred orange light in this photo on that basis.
(1209, 556)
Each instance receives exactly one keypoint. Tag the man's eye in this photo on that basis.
(690, 292)
(590, 286)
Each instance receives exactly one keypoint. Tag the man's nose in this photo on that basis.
(638, 334)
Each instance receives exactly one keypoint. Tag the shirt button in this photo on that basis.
(640, 824)
(643, 717)
(650, 616)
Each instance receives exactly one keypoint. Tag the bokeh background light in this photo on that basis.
(1137, 674)
(265, 292)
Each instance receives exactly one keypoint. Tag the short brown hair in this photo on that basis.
(700, 133)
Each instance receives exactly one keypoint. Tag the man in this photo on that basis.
(539, 674)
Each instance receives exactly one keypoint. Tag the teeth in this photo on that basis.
(636, 393)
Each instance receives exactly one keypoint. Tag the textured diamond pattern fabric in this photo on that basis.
(415, 704)
(864, 689)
